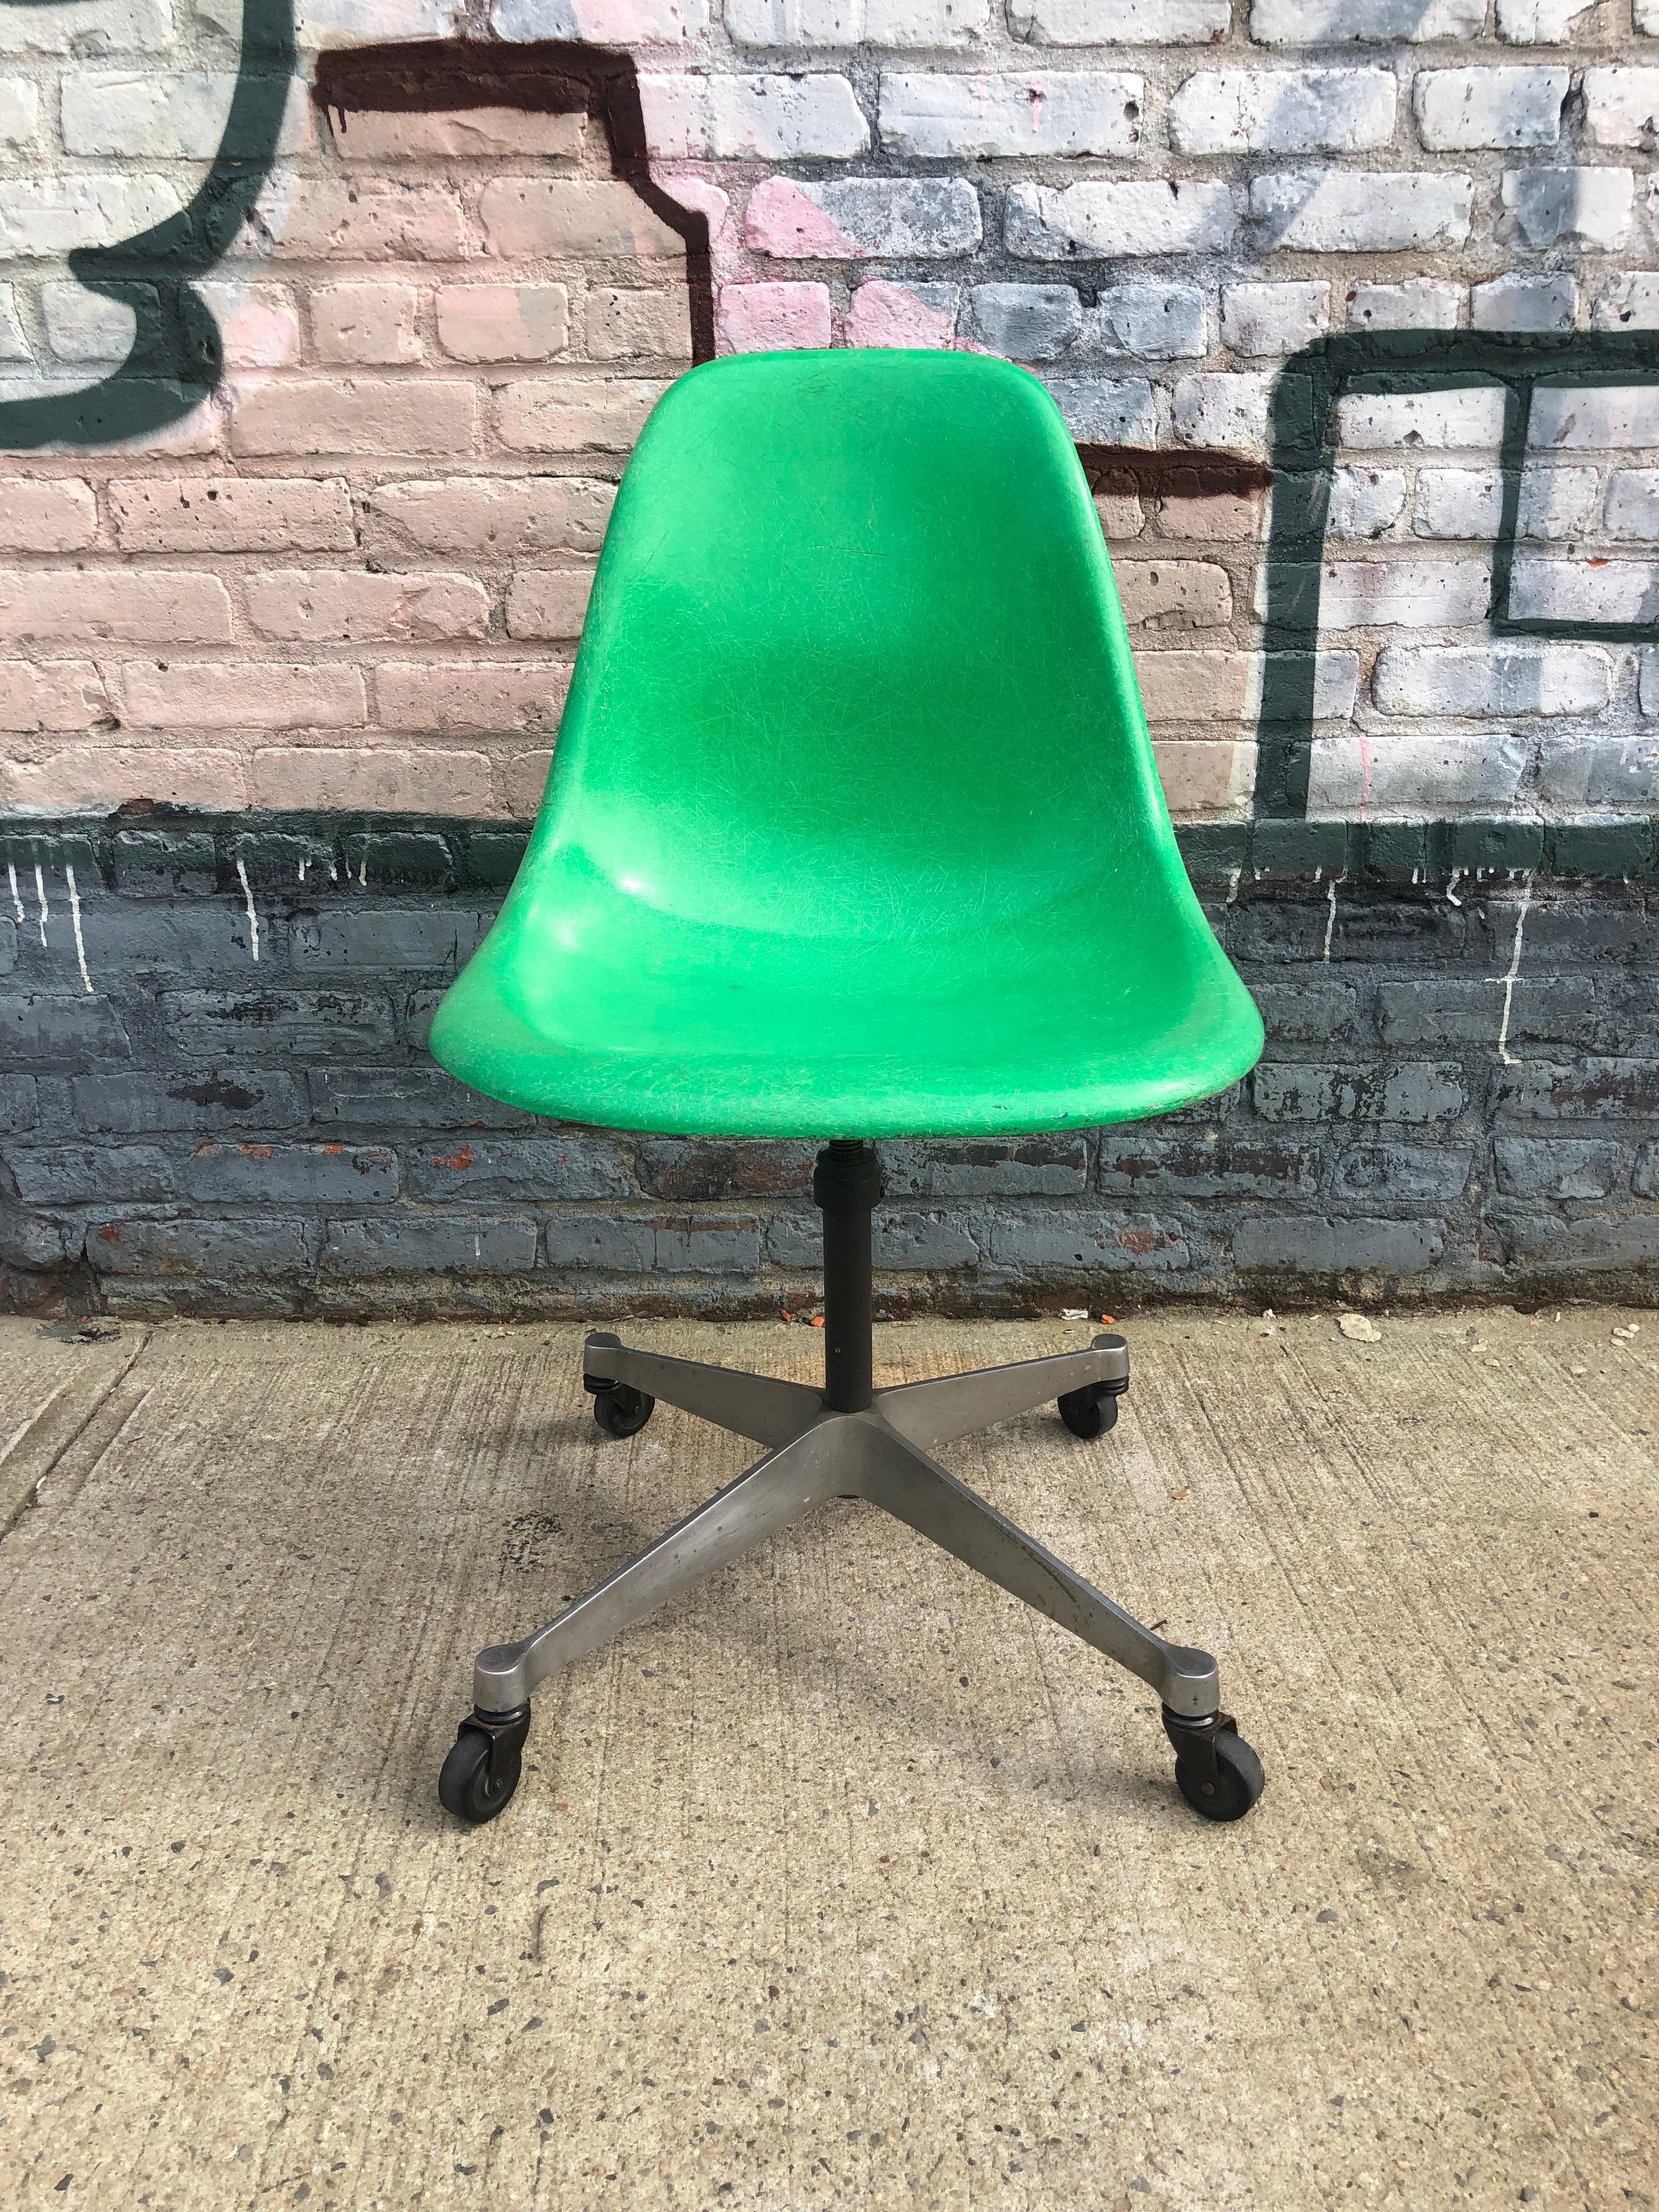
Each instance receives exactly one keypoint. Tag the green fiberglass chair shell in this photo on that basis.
(853, 832)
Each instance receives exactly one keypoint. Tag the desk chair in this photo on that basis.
(853, 832)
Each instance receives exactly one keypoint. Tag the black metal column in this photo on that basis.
(845, 1185)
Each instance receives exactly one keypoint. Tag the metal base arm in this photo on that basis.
(879, 1453)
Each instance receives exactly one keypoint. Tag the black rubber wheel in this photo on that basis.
(1241, 1780)
(1089, 1412)
(467, 1787)
(623, 1411)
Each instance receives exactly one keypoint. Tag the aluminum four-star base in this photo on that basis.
(849, 1440)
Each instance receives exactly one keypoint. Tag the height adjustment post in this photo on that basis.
(846, 1188)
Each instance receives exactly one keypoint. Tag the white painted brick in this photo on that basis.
(367, 323)
(1226, 410)
(626, 323)
(258, 324)
(20, 112)
(14, 346)
(1360, 211)
(1458, 108)
(774, 119)
(1621, 108)
(171, 606)
(350, 606)
(371, 780)
(42, 218)
(1630, 302)
(1365, 502)
(1574, 591)
(1119, 23)
(366, 219)
(1594, 416)
(496, 517)
(487, 698)
(1557, 502)
(503, 322)
(1026, 322)
(348, 22)
(1644, 15)
(1092, 221)
(1540, 22)
(547, 602)
(1505, 677)
(1367, 22)
(599, 23)
(1104, 411)
(1458, 503)
(1147, 322)
(1632, 508)
(46, 514)
(1412, 595)
(1524, 302)
(1438, 421)
(1420, 303)
(924, 218)
(95, 778)
(1273, 319)
(88, 28)
(1413, 776)
(358, 416)
(1311, 111)
(218, 695)
(179, 117)
(918, 26)
(1045, 111)
(1566, 207)
(82, 326)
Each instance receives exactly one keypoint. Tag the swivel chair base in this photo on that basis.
(849, 1440)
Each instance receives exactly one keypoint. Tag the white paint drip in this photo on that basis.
(40, 894)
(16, 896)
(75, 919)
(252, 912)
(1232, 886)
(1330, 918)
(1452, 898)
(1503, 1053)
(302, 872)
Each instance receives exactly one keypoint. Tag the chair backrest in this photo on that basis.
(855, 653)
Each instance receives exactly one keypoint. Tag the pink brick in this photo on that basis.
(232, 514)
(52, 694)
(1200, 777)
(503, 322)
(46, 514)
(362, 416)
(371, 780)
(350, 605)
(883, 314)
(473, 133)
(625, 322)
(575, 414)
(170, 604)
(372, 223)
(497, 517)
(368, 322)
(546, 216)
(524, 778)
(770, 318)
(218, 695)
(85, 778)
(258, 324)
(547, 602)
(784, 220)
(492, 698)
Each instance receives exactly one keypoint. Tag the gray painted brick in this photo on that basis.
(1053, 1167)
(229, 1248)
(913, 1236)
(1445, 1010)
(1217, 1164)
(1084, 1241)
(1316, 1010)
(1402, 1176)
(82, 1174)
(701, 1168)
(59, 1032)
(276, 1025)
(707, 1248)
(224, 1098)
(1544, 1091)
(377, 1098)
(615, 1244)
(1596, 1242)
(1313, 1246)
(17, 1104)
(176, 938)
(293, 1175)
(8, 945)
(423, 936)
(1416, 1091)
(1644, 1177)
(795, 1240)
(34, 1240)
(430, 1244)
(539, 1171)
(1559, 1167)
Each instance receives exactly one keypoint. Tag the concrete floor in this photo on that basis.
(847, 1882)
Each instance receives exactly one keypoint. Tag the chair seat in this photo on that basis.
(599, 1006)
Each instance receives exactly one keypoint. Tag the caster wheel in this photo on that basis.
(1089, 1412)
(481, 1771)
(623, 1411)
(1239, 1780)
